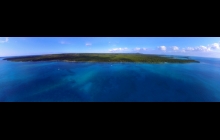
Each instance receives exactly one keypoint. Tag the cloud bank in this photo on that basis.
(118, 49)
(209, 48)
(140, 49)
(212, 47)
(137, 49)
(215, 46)
(175, 48)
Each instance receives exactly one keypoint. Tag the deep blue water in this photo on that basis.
(110, 82)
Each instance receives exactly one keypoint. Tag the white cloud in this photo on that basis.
(200, 48)
(183, 50)
(118, 49)
(4, 40)
(137, 49)
(203, 48)
(88, 44)
(163, 48)
(175, 48)
(209, 48)
(214, 46)
(140, 49)
(197, 50)
(190, 49)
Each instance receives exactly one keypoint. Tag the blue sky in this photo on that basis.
(188, 46)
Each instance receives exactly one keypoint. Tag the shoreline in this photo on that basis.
(104, 62)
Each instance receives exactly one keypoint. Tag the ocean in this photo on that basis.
(56, 81)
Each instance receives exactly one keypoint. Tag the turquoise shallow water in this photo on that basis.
(110, 82)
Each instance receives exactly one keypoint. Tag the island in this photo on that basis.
(102, 57)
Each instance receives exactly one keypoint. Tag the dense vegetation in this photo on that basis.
(103, 57)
